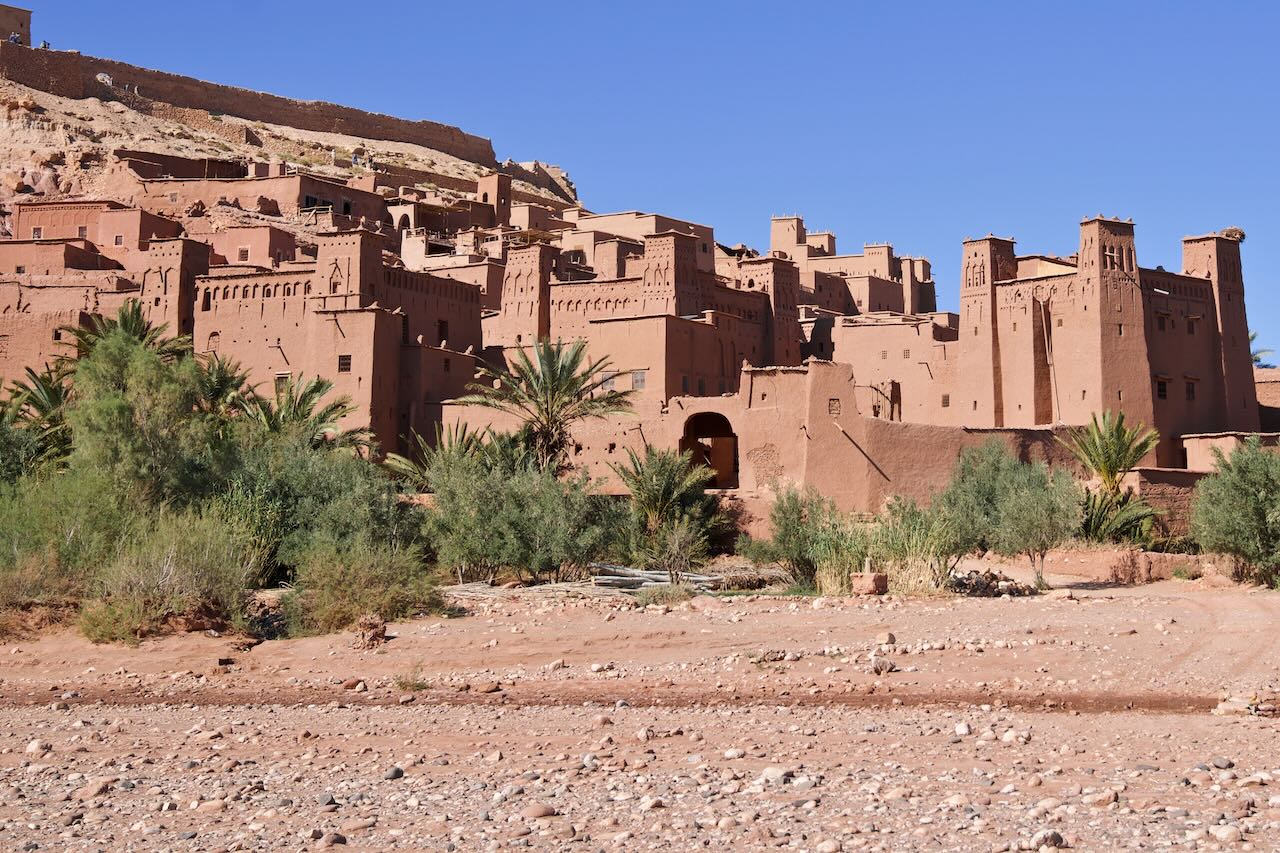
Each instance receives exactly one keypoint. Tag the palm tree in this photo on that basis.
(1109, 449)
(297, 407)
(130, 320)
(550, 394)
(665, 486)
(1259, 353)
(426, 459)
(39, 403)
(221, 384)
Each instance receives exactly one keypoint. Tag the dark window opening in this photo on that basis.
(242, 254)
(1162, 389)
(344, 364)
(442, 331)
(1191, 392)
(82, 231)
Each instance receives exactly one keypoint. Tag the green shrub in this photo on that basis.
(290, 495)
(1039, 511)
(483, 521)
(337, 583)
(840, 549)
(57, 530)
(19, 450)
(917, 548)
(971, 500)
(134, 415)
(798, 518)
(1236, 509)
(189, 563)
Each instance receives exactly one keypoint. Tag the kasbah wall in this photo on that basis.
(74, 75)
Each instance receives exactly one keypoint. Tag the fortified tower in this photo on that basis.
(978, 391)
(525, 315)
(1109, 353)
(1217, 258)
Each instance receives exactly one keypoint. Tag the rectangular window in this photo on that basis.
(1191, 327)
(37, 233)
(684, 384)
(242, 254)
(282, 382)
(946, 401)
(344, 364)
(1191, 392)
(906, 353)
(1120, 330)
(1059, 322)
(702, 387)
(119, 241)
(1162, 389)
(442, 331)
(833, 406)
(884, 353)
(447, 365)
(1160, 322)
(82, 231)
(608, 384)
(637, 380)
(20, 268)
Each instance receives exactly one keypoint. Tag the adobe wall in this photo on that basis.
(1170, 491)
(73, 75)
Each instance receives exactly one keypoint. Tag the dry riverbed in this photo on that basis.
(741, 723)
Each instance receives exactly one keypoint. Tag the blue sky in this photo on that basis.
(913, 123)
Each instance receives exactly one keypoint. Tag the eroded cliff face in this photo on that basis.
(54, 147)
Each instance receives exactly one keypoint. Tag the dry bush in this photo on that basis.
(665, 594)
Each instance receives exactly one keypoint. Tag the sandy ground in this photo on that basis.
(740, 723)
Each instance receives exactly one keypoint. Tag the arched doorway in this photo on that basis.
(710, 437)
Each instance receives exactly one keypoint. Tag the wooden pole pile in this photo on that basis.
(625, 577)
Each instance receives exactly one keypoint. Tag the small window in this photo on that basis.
(442, 331)
(884, 354)
(282, 382)
(1059, 322)
(1162, 389)
(1120, 330)
(1191, 327)
(20, 268)
(637, 380)
(946, 401)
(1191, 392)
(37, 233)
(1160, 322)
(119, 241)
(82, 231)
(906, 353)
(704, 248)
(173, 198)
(447, 365)
(608, 384)
(975, 405)
(57, 334)
(702, 387)
(684, 385)
(205, 302)
(344, 364)
(1083, 393)
(242, 254)
(1015, 327)
(833, 406)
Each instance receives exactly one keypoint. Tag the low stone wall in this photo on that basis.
(1121, 565)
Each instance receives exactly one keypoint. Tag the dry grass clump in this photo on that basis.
(666, 593)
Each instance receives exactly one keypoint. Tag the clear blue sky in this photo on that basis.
(918, 124)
